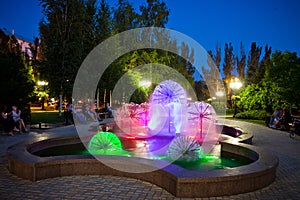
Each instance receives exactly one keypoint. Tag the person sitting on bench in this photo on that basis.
(16, 114)
(7, 122)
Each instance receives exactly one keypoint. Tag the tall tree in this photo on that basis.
(285, 71)
(229, 61)
(265, 64)
(125, 17)
(66, 34)
(241, 62)
(16, 82)
(202, 91)
(253, 63)
(280, 88)
(217, 56)
(89, 26)
(154, 13)
(104, 21)
(228, 65)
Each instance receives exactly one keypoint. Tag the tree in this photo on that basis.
(125, 17)
(16, 82)
(154, 13)
(202, 91)
(228, 65)
(36, 56)
(279, 87)
(216, 57)
(253, 64)
(265, 64)
(285, 71)
(89, 27)
(241, 63)
(104, 22)
(67, 35)
(70, 29)
(266, 96)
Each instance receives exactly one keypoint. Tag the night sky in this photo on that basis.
(272, 22)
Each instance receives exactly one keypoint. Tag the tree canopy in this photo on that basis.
(278, 87)
(70, 29)
(16, 82)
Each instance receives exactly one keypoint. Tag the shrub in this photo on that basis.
(229, 111)
(253, 114)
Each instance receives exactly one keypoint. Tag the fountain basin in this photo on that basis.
(178, 181)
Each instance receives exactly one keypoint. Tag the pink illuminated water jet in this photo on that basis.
(169, 114)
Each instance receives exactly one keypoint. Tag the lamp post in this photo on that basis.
(43, 84)
(219, 95)
(235, 84)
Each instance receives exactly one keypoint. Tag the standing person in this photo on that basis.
(16, 114)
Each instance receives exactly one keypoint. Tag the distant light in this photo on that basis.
(42, 83)
(236, 84)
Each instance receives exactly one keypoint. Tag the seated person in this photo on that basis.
(92, 113)
(16, 114)
(77, 112)
(285, 119)
(109, 110)
(7, 122)
(274, 118)
(88, 113)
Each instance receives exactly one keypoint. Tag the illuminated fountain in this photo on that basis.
(168, 137)
(169, 115)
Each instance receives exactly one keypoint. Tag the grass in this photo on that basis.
(256, 121)
(50, 117)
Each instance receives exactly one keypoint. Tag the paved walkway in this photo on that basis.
(286, 185)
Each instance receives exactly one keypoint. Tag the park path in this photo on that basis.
(286, 185)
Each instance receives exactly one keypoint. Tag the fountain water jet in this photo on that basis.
(169, 114)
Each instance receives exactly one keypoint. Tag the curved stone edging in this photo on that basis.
(176, 180)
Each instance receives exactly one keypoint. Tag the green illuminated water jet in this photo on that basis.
(106, 143)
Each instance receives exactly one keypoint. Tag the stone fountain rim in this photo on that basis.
(177, 180)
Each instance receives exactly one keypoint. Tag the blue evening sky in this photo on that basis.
(273, 22)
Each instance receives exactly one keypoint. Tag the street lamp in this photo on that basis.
(43, 84)
(235, 84)
(219, 95)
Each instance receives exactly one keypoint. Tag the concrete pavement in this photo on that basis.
(286, 185)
